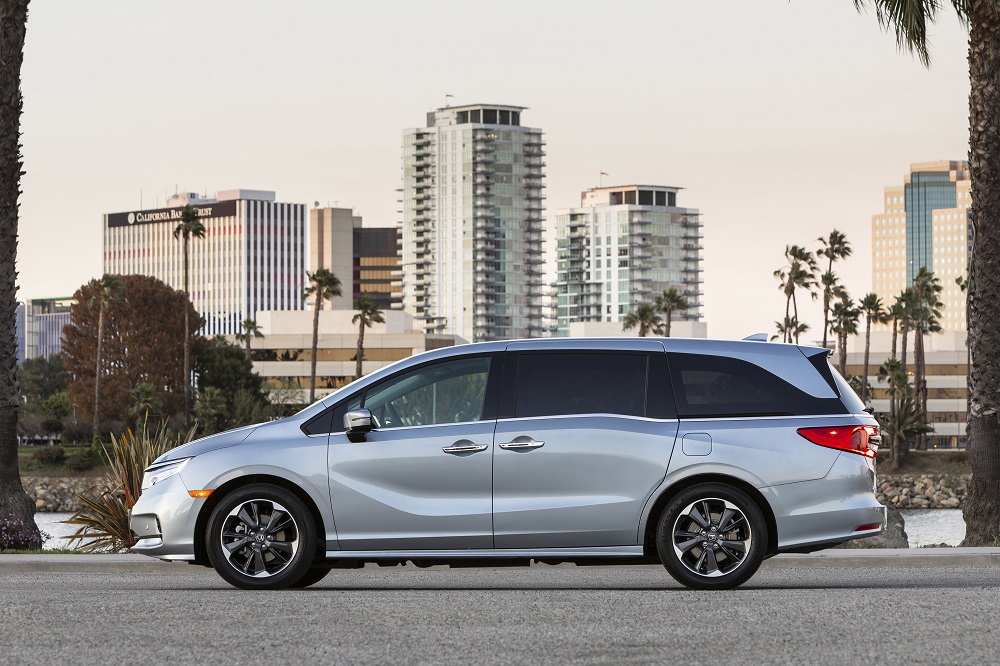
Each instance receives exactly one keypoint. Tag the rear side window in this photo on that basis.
(719, 386)
(580, 383)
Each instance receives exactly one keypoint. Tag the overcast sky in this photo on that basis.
(782, 120)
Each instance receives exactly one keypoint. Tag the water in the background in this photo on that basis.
(57, 530)
(929, 527)
(924, 527)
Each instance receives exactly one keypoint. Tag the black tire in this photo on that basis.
(261, 537)
(704, 554)
(313, 576)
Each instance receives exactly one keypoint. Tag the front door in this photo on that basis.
(422, 479)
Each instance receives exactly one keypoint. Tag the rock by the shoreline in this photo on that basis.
(925, 491)
(894, 535)
(53, 494)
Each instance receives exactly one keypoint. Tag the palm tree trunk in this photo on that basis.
(826, 305)
(982, 507)
(667, 312)
(248, 345)
(864, 371)
(312, 372)
(361, 345)
(843, 352)
(99, 371)
(902, 349)
(13, 500)
(895, 333)
(787, 336)
(795, 309)
(187, 342)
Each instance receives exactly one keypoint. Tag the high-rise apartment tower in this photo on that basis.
(623, 247)
(472, 218)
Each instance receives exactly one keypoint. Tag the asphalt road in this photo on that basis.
(541, 615)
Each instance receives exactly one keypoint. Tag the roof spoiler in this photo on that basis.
(757, 337)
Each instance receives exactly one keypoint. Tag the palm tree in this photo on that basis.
(926, 319)
(368, 314)
(645, 318)
(871, 307)
(211, 409)
(832, 291)
(144, 402)
(667, 302)
(963, 283)
(248, 330)
(108, 293)
(905, 312)
(844, 322)
(907, 424)
(834, 247)
(323, 286)
(13, 500)
(190, 225)
(909, 19)
(798, 273)
(788, 329)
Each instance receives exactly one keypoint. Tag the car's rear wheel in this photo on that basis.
(712, 536)
(261, 537)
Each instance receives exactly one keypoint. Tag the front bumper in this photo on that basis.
(164, 519)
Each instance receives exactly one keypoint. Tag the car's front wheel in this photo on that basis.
(261, 537)
(712, 536)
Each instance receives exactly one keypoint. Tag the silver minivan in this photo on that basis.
(707, 456)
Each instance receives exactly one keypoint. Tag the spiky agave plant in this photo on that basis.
(104, 519)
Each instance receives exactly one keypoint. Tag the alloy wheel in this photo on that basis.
(711, 537)
(259, 538)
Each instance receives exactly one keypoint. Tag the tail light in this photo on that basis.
(863, 440)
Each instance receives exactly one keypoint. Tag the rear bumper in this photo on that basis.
(839, 507)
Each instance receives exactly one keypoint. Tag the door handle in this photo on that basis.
(530, 444)
(460, 447)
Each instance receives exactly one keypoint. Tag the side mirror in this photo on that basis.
(357, 423)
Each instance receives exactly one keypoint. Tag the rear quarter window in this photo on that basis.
(719, 386)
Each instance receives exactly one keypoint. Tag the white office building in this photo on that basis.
(252, 258)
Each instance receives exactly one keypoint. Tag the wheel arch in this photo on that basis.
(201, 524)
(671, 491)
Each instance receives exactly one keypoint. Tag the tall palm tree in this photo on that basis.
(926, 319)
(844, 322)
(368, 314)
(905, 310)
(248, 330)
(108, 293)
(323, 286)
(645, 318)
(13, 500)
(834, 247)
(667, 302)
(789, 329)
(892, 373)
(871, 307)
(799, 272)
(190, 225)
(909, 19)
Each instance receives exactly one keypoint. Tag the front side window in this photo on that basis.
(581, 383)
(448, 392)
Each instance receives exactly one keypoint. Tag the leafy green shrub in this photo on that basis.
(79, 462)
(104, 519)
(49, 454)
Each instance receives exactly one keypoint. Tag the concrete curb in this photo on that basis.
(827, 559)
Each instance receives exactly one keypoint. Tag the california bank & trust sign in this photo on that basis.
(220, 209)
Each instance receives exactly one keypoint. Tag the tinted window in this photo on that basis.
(721, 386)
(448, 392)
(580, 383)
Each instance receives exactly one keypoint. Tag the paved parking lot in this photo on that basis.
(550, 615)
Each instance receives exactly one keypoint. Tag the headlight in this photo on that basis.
(157, 473)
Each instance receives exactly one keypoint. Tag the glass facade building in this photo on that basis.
(44, 319)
